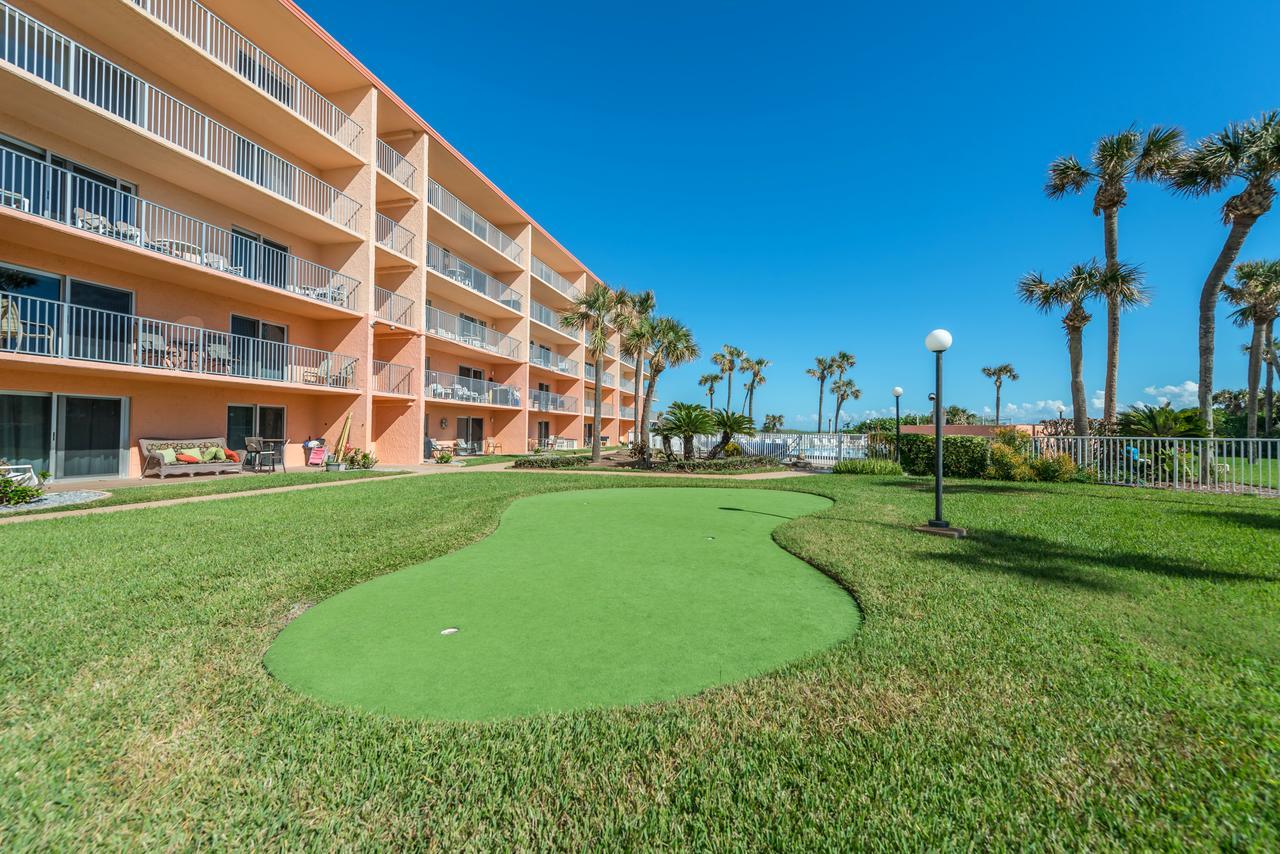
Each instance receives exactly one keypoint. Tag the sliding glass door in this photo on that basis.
(91, 437)
(26, 424)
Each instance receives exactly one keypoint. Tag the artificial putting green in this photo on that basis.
(579, 599)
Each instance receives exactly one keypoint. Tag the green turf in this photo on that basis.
(554, 615)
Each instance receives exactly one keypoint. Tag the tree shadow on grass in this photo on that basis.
(1245, 519)
(1121, 493)
(758, 512)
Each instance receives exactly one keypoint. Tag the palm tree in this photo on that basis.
(1250, 152)
(710, 381)
(592, 312)
(1257, 295)
(844, 390)
(688, 420)
(727, 361)
(635, 333)
(1144, 420)
(1000, 373)
(840, 363)
(673, 345)
(821, 371)
(755, 367)
(1070, 293)
(730, 424)
(772, 423)
(1272, 356)
(1116, 160)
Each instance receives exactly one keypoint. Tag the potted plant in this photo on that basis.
(333, 463)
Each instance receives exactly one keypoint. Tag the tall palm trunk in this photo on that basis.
(1269, 398)
(729, 394)
(644, 416)
(822, 395)
(751, 402)
(635, 397)
(1240, 226)
(595, 415)
(712, 394)
(997, 403)
(1255, 380)
(1075, 349)
(1110, 240)
(687, 441)
(746, 403)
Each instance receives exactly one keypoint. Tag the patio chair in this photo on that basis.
(153, 350)
(218, 262)
(257, 456)
(90, 221)
(14, 330)
(438, 391)
(217, 358)
(322, 374)
(129, 232)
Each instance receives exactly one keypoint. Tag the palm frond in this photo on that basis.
(1161, 149)
(1066, 175)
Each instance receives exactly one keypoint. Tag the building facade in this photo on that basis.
(214, 221)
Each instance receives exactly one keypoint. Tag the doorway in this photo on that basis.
(91, 437)
(470, 435)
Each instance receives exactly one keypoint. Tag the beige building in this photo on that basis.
(214, 221)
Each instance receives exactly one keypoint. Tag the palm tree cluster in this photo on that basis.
(842, 389)
(663, 341)
(729, 362)
(998, 374)
(1246, 153)
(1256, 294)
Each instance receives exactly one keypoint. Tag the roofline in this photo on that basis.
(324, 36)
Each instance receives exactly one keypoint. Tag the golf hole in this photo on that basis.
(452, 630)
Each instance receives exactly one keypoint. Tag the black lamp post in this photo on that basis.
(897, 422)
(937, 343)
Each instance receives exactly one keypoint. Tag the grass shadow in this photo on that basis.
(758, 513)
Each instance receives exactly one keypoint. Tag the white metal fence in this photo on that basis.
(455, 269)
(47, 54)
(56, 194)
(443, 386)
(233, 51)
(818, 449)
(1204, 465)
(396, 166)
(59, 330)
(390, 378)
(458, 211)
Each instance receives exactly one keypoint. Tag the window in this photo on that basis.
(244, 420)
(257, 348)
(261, 259)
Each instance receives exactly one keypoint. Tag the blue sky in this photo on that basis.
(798, 179)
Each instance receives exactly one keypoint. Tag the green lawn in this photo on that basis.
(547, 622)
(187, 487)
(1094, 667)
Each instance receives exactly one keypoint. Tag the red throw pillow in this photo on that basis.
(187, 458)
(231, 455)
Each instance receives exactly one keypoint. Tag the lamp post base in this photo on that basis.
(938, 531)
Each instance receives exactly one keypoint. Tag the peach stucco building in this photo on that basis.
(214, 221)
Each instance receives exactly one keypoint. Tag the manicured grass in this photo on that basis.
(1094, 667)
(189, 487)
(554, 615)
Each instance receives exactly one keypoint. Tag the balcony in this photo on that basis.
(591, 376)
(554, 280)
(549, 401)
(390, 378)
(453, 268)
(67, 66)
(395, 165)
(471, 334)
(463, 216)
(553, 362)
(393, 236)
(442, 386)
(32, 326)
(237, 54)
(38, 188)
(629, 413)
(391, 307)
(589, 408)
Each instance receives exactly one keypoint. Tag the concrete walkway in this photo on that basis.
(409, 471)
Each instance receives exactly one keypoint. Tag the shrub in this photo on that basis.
(720, 464)
(962, 456)
(444, 457)
(1011, 437)
(11, 494)
(733, 449)
(552, 461)
(1054, 468)
(1006, 463)
(867, 466)
(355, 458)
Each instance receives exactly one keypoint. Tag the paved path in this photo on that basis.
(410, 471)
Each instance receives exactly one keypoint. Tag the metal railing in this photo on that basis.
(590, 374)
(455, 269)
(396, 166)
(629, 361)
(56, 194)
(589, 408)
(472, 334)
(443, 386)
(390, 378)
(458, 211)
(1199, 465)
(60, 330)
(629, 413)
(233, 51)
(548, 317)
(394, 236)
(391, 307)
(47, 54)
(553, 361)
(819, 449)
(549, 401)
(550, 277)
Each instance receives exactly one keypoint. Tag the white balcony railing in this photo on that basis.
(549, 401)
(59, 330)
(550, 277)
(445, 325)
(553, 361)
(233, 51)
(442, 386)
(629, 413)
(629, 361)
(455, 209)
(55, 194)
(390, 378)
(396, 166)
(47, 54)
(455, 269)
(548, 317)
(591, 376)
(394, 236)
(392, 307)
(589, 408)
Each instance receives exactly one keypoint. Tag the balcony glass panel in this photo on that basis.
(458, 211)
(455, 269)
(472, 334)
(443, 386)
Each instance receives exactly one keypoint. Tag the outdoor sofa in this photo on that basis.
(153, 462)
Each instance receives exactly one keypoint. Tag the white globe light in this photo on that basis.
(938, 341)
(897, 391)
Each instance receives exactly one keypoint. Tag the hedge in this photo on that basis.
(866, 466)
(962, 456)
(552, 461)
(717, 465)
